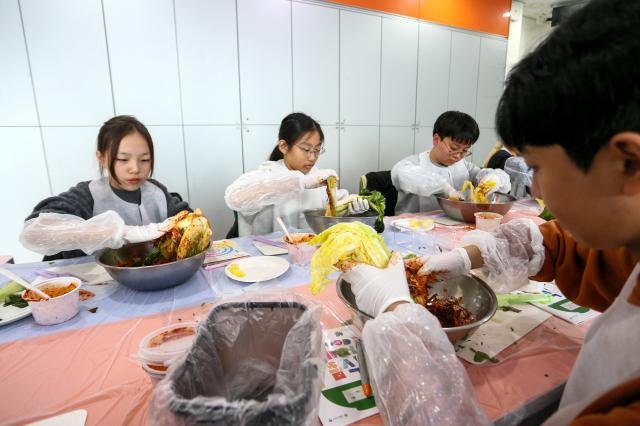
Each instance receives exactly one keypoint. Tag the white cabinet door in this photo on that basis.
(433, 73)
(484, 145)
(144, 65)
(316, 56)
(358, 154)
(264, 31)
(396, 143)
(398, 72)
(214, 160)
(359, 68)
(168, 150)
(17, 107)
(257, 144)
(208, 55)
(24, 190)
(331, 157)
(68, 53)
(493, 58)
(71, 155)
(423, 139)
(463, 81)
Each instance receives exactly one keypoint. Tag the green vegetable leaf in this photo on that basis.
(15, 300)
(479, 356)
(377, 202)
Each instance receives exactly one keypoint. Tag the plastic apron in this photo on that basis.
(608, 357)
(454, 174)
(290, 209)
(152, 208)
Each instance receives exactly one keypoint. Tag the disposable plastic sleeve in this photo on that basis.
(51, 233)
(253, 191)
(511, 254)
(412, 178)
(415, 374)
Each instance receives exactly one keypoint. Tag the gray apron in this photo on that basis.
(152, 208)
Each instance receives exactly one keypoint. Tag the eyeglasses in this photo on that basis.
(310, 152)
(460, 152)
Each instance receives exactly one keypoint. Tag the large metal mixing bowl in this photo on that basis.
(146, 278)
(464, 210)
(476, 295)
(319, 222)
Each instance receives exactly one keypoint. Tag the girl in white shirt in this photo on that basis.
(286, 185)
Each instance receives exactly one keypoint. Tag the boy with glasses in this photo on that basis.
(443, 168)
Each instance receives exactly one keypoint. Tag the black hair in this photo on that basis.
(579, 87)
(458, 126)
(292, 128)
(111, 134)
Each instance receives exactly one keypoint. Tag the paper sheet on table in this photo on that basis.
(501, 331)
(564, 308)
(90, 273)
(72, 418)
(342, 400)
(269, 250)
(223, 251)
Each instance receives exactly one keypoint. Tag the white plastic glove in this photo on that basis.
(501, 180)
(139, 234)
(444, 266)
(358, 206)
(451, 192)
(318, 179)
(511, 254)
(376, 289)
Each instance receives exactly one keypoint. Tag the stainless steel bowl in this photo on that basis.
(146, 278)
(464, 210)
(319, 222)
(476, 295)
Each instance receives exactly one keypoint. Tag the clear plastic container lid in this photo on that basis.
(164, 345)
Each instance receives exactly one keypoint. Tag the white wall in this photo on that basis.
(533, 33)
(212, 79)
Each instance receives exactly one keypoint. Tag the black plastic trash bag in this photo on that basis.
(254, 362)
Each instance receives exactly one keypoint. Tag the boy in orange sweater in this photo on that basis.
(572, 110)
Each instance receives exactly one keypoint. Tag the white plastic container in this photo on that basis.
(487, 221)
(56, 309)
(300, 253)
(163, 346)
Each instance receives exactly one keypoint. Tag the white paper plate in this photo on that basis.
(414, 224)
(9, 314)
(258, 268)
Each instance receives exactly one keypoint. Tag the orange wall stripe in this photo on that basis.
(475, 15)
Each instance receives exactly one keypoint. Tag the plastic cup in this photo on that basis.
(163, 346)
(300, 253)
(57, 309)
(487, 221)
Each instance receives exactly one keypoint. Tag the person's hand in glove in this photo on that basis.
(452, 193)
(493, 180)
(152, 231)
(358, 206)
(377, 289)
(319, 179)
(443, 266)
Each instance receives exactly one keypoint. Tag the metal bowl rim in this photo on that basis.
(144, 267)
(511, 199)
(475, 324)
